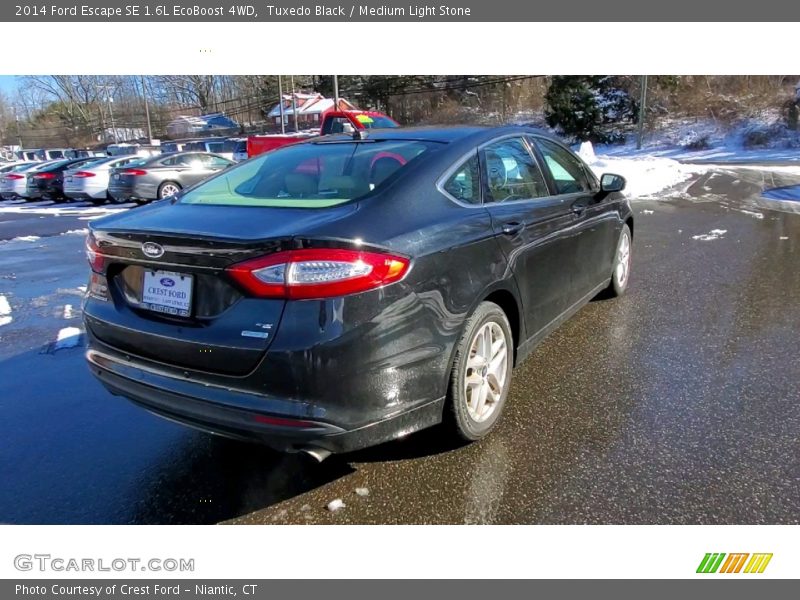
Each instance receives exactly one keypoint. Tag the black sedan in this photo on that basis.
(47, 183)
(346, 291)
(163, 175)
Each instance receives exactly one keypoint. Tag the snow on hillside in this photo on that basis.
(645, 175)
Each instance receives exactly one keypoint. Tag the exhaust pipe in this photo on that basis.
(319, 454)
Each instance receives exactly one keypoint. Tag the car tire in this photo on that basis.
(621, 273)
(165, 189)
(478, 390)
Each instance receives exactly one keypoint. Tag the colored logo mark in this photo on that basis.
(719, 562)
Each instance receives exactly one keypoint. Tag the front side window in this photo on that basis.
(511, 173)
(567, 171)
(311, 175)
(465, 184)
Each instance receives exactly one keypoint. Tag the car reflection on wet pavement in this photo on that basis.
(676, 404)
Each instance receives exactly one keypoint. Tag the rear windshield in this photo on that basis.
(56, 164)
(311, 175)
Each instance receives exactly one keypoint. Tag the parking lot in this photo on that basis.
(676, 404)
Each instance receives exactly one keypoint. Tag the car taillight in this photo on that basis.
(93, 255)
(317, 273)
(14, 176)
(83, 174)
(134, 172)
(44, 176)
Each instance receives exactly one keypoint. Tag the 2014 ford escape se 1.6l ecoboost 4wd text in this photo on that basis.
(345, 291)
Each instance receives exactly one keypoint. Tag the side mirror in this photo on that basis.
(612, 183)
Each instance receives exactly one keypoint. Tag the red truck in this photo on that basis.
(333, 121)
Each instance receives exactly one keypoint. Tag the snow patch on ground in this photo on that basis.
(62, 210)
(714, 234)
(76, 232)
(68, 312)
(646, 176)
(26, 238)
(751, 213)
(68, 337)
(335, 505)
(362, 491)
(5, 311)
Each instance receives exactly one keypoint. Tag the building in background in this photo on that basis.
(310, 108)
(188, 126)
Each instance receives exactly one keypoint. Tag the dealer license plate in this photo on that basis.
(167, 292)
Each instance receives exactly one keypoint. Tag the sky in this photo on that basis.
(8, 84)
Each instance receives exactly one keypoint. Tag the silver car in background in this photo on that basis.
(90, 181)
(14, 183)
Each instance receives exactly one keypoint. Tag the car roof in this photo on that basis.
(443, 134)
(163, 155)
(433, 134)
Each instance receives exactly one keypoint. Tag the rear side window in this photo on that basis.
(465, 184)
(191, 160)
(338, 125)
(567, 171)
(312, 175)
(216, 162)
(511, 172)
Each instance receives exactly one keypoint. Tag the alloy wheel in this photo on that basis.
(486, 373)
(169, 189)
(623, 260)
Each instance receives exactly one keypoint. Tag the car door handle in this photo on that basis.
(512, 228)
(578, 208)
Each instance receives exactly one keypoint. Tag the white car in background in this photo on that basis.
(239, 149)
(29, 155)
(221, 146)
(49, 154)
(13, 183)
(13, 166)
(90, 181)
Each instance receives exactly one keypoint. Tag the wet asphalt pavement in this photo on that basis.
(679, 403)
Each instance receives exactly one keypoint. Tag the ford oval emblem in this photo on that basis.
(167, 282)
(152, 250)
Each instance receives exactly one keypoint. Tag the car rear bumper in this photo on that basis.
(236, 414)
(46, 192)
(84, 193)
(123, 193)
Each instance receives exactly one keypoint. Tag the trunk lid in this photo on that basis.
(187, 248)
